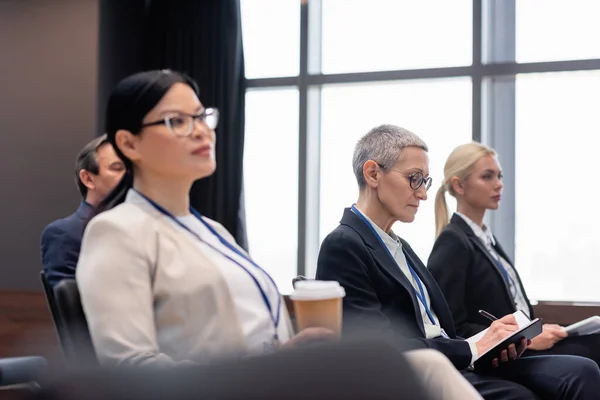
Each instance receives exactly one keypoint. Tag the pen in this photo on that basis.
(487, 315)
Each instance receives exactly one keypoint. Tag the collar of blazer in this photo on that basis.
(165, 221)
(134, 197)
(391, 268)
(460, 223)
(84, 210)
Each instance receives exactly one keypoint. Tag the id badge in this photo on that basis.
(271, 346)
(444, 334)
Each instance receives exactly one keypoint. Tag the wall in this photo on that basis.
(48, 79)
(48, 52)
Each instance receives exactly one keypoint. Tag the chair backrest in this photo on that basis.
(77, 345)
(58, 322)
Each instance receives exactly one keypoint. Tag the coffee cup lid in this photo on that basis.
(317, 290)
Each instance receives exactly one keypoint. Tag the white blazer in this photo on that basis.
(151, 295)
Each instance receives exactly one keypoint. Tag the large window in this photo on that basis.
(519, 75)
(271, 30)
(557, 30)
(395, 34)
(271, 181)
(557, 214)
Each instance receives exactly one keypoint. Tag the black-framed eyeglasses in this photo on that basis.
(416, 179)
(182, 124)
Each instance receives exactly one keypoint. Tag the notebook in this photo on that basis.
(528, 329)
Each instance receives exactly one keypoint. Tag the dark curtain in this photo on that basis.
(203, 39)
(120, 46)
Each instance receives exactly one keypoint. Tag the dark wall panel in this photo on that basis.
(48, 76)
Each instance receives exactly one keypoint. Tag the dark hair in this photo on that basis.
(87, 160)
(128, 104)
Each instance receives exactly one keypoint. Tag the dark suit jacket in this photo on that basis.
(379, 297)
(61, 242)
(470, 278)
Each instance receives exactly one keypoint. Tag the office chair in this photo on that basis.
(75, 335)
(59, 325)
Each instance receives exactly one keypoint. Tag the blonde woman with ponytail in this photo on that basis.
(469, 264)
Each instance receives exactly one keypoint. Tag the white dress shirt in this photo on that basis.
(252, 312)
(487, 238)
(393, 244)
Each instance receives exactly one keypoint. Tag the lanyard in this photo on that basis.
(421, 293)
(511, 283)
(231, 247)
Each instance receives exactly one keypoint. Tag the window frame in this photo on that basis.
(493, 73)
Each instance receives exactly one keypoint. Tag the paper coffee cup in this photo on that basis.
(318, 304)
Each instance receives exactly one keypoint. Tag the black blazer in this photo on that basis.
(379, 297)
(470, 278)
(60, 244)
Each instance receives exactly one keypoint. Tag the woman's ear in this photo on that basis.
(127, 143)
(371, 173)
(457, 185)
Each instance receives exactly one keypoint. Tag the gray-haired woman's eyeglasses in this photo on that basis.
(416, 178)
(182, 124)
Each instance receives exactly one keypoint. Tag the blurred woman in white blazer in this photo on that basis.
(160, 283)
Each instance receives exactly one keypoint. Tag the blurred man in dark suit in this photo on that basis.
(98, 169)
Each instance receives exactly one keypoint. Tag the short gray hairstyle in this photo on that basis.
(383, 144)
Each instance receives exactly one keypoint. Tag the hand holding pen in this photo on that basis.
(498, 331)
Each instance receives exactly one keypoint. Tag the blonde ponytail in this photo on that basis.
(459, 164)
(441, 210)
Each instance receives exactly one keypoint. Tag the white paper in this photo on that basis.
(475, 338)
(587, 326)
(522, 319)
